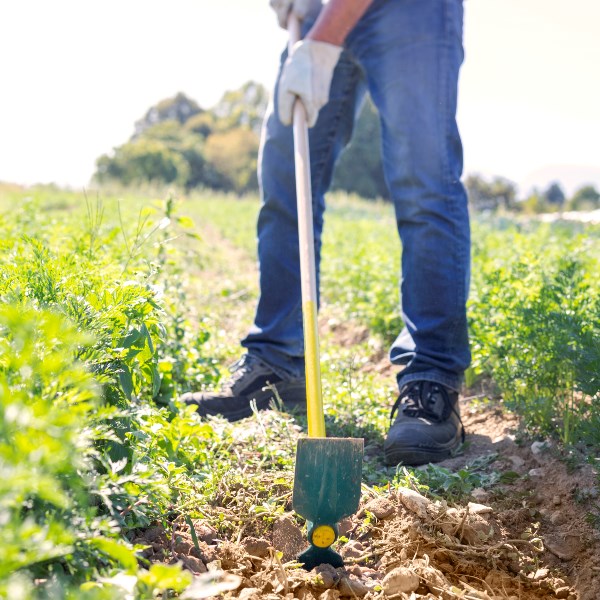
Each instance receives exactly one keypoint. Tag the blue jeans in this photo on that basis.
(407, 54)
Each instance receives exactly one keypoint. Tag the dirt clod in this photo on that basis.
(353, 549)
(352, 587)
(288, 538)
(250, 594)
(256, 546)
(205, 532)
(326, 577)
(400, 580)
(193, 564)
(414, 502)
(380, 507)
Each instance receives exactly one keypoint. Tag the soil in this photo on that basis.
(527, 539)
(531, 535)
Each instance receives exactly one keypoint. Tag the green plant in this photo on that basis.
(535, 331)
(453, 486)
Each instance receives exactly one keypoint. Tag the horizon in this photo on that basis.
(527, 99)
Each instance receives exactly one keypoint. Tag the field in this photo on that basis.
(111, 306)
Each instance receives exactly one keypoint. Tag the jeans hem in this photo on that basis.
(453, 383)
(283, 372)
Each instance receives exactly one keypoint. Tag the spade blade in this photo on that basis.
(327, 478)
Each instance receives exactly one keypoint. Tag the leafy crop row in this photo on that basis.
(90, 331)
(535, 324)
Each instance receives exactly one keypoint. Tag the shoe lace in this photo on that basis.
(416, 402)
(239, 369)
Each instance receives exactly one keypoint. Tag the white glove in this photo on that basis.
(307, 75)
(301, 8)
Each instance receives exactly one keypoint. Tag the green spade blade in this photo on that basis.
(327, 478)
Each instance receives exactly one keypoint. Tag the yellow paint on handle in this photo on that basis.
(314, 398)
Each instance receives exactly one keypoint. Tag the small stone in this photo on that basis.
(329, 595)
(153, 533)
(480, 494)
(352, 549)
(517, 461)
(556, 500)
(380, 507)
(559, 548)
(540, 574)
(193, 564)
(205, 532)
(400, 580)
(562, 592)
(557, 518)
(538, 449)
(536, 473)
(183, 547)
(256, 546)
(326, 576)
(249, 594)
(479, 509)
(352, 587)
(414, 502)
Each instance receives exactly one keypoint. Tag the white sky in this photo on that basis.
(76, 74)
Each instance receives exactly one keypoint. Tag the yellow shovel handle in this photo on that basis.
(314, 399)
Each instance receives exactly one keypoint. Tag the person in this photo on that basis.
(407, 55)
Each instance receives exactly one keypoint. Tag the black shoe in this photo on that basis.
(251, 379)
(427, 427)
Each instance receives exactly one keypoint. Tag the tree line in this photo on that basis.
(178, 142)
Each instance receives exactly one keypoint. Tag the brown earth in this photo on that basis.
(530, 538)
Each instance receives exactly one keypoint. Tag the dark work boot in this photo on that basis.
(251, 379)
(427, 427)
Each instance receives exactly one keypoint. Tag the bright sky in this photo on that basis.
(75, 75)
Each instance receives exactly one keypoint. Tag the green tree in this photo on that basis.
(585, 198)
(178, 108)
(233, 155)
(554, 195)
(143, 160)
(535, 203)
(203, 123)
(490, 195)
(244, 107)
(190, 146)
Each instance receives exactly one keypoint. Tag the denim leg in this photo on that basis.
(411, 51)
(276, 335)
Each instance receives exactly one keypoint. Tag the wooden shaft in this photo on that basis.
(308, 277)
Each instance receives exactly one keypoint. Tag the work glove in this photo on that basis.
(301, 8)
(307, 75)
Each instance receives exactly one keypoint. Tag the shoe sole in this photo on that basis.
(415, 456)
